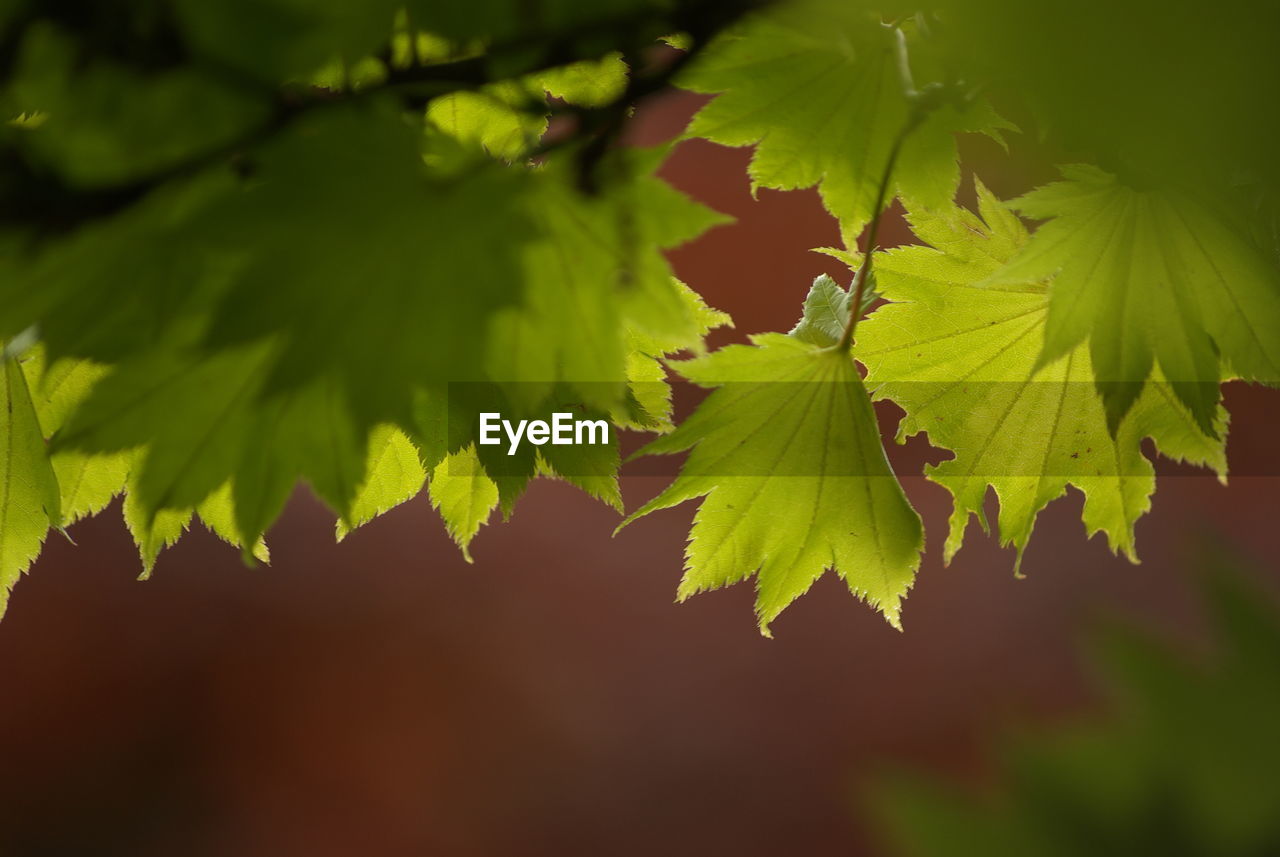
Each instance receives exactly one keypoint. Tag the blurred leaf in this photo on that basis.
(349, 240)
(587, 83)
(106, 123)
(1114, 84)
(506, 119)
(119, 285)
(1149, 278)
(278, 39)
(597, 274)
(1185, 766)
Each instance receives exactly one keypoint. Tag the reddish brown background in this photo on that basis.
(382, 697)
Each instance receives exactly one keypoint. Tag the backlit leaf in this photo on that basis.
(787, 454)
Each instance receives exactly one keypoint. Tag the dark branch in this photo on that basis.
(42, 201)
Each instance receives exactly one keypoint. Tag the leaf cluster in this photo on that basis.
(250, 244)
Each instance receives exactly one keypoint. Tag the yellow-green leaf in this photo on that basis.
(787, 453)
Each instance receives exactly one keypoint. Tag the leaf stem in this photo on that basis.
(920, 107)
(873, 232)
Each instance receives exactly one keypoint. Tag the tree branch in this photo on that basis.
(51, 206)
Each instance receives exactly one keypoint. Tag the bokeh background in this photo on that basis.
(382, 697)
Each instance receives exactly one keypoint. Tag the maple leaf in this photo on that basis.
(29, 502)
(787, 454)
(306, 434)
(587, 83)
(464, 496)
(506, 119)
(393, 475)
(591, 467)
(229, 431)
(962, 357)
(186, 459)
(69, 288)
(444, 424)
(816, 88)
(366, 264)
(649, 395)
(596, 276)
(86, 482)
(153, 532)
(468, 477)
(1149, 278)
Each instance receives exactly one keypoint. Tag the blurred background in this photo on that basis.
(383, 697)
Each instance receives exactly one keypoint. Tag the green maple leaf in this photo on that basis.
(218, 513)
(132, 406)
(587, 83)
(464, 496)
(86, 482)
(393, 475)
(600, 307)
(467, 477)
(152, 532)
(69, 288)
(963, 359)
(787, 454)
(1149, 278)
(230, 430)
(815, 87)
(506, 119)
(306, 435)
(29, 501)
(591, 467)
(367, 264)
(596, 276)
(649, 395)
